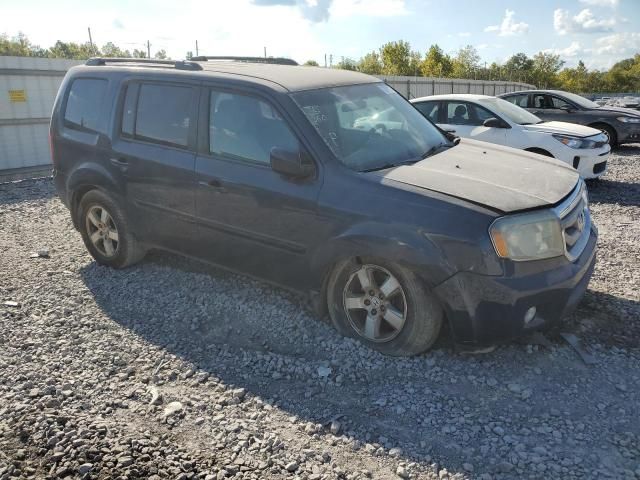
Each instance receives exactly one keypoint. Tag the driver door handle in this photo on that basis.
(214, 183)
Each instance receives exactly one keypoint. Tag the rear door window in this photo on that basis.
(519, 100)
(84, 104)
(540, 100)
(163, 114)
(464, 113)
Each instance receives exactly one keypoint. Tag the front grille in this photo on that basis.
(575, 221)
(599, 167)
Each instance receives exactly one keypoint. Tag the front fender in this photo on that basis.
(410, 248)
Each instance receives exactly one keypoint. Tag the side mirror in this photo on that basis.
(566, 108)
(291, 163)
(493, 122)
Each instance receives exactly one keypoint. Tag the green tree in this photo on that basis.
(624, 76)
(398, 59)
(111, 50)
(370, 64)
(18, 46)
(139, 53)
(311, 63)
(519, 67)
(78, 51)
(574, 79)
(494, 72)
(436, 63)
(161, 55)
(545, 69)
(465, 63)
(347, 64)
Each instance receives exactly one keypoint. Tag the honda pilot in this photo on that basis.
(281, 172)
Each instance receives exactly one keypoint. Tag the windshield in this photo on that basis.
(510, 111)
(580, 100)
(369, 126)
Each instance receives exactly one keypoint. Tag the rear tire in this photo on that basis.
(105, 231)
(393, 314)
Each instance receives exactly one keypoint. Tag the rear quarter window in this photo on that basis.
(84, 104)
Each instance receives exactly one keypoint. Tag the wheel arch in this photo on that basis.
(87, 177)
(539, 151)
(411, 250)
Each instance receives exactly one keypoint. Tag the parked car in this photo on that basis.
(495, 120)
(628, 102)
(602, 101)
(622, 125)
(259, 168)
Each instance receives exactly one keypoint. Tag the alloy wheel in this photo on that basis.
(102, 231)
(375, 303)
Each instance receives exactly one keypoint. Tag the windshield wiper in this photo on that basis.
(390, 165)
(432, 151)
(436, 148)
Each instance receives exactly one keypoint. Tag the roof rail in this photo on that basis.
(179, 64)
(270, 60)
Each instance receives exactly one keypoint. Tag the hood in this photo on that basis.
(563, 128)
(501, 178)
(626, 111)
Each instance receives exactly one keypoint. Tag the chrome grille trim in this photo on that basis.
(575, 221)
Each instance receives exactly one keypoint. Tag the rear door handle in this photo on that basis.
(119, 162)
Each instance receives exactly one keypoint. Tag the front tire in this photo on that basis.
(384, 305)
(105, 231)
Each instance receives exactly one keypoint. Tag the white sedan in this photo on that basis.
(494, 120)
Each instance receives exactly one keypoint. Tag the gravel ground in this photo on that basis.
(172, 369)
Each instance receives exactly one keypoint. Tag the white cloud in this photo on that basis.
(606, 50)
(464, 34)
(621, 44)
(508, 26)
(322, 10)
(372, 8)
(572, 50)
(601, 3)
(583, 22)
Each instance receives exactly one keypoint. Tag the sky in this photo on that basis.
(600, 32)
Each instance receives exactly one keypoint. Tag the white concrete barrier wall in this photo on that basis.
(28, 88)
(414, 87)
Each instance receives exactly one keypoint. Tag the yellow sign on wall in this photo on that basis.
(16, 96)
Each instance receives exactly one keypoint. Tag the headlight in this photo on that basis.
(629, 119)
(529, 236)
(574, 142)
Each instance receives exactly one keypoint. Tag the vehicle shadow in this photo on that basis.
(265, 340)
(607, 319)
(33, 188)
(614, 191)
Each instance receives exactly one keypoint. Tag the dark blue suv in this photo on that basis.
(327, 182)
